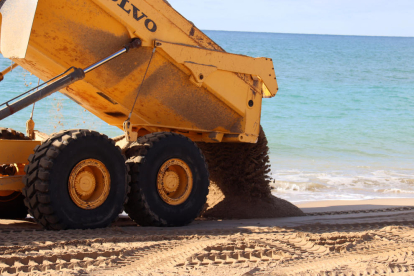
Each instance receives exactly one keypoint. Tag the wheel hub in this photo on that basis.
(85, 184)
(89, 184)
(174, 182)
(171, 181)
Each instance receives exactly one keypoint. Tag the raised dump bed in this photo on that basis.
(140, 66)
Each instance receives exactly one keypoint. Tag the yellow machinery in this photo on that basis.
(138, 65)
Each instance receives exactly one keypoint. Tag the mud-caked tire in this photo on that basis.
(156, 159)
(12, 203)
(55, 190)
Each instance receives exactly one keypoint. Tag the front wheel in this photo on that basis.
(170, 180)
(76, 180)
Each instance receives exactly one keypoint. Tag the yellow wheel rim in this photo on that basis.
(5, 196)
(6, 193)
(89, 184)
(174, 182)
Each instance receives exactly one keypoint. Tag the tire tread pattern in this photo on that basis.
(11, 134)
(37, 171)
(137, 207)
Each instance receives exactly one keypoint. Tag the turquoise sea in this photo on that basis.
(341, 126)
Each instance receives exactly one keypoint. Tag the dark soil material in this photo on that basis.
(240, 168)
(243, 207)
(241, 173)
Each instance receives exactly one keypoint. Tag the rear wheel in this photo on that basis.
(76, 180)
(11, 202)
(169, 183)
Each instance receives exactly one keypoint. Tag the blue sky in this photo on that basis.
(344, 17)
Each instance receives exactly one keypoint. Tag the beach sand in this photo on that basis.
(372, 237)
(350, 205)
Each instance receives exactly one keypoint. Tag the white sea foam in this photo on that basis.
(297, 186)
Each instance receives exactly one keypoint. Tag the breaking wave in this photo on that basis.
(299, 186)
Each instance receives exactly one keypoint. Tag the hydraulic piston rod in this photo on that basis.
(7, 70)
(76, 75)
(96, 65)
(135, 43)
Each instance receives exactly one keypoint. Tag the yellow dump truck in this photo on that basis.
(138, 65)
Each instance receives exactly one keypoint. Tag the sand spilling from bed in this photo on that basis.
(240, 178)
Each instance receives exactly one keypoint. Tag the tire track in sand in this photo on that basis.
(351, 248)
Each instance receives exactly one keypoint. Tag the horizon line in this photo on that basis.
(310, 34)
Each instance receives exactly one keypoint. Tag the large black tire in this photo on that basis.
(145, 158)
(47, 175)
(11, 134)
(12, 206)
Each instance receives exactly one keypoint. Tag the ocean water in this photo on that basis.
(341, 126)
(342, 123)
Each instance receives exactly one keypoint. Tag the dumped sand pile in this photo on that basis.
(245, 207)
(241, 173)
